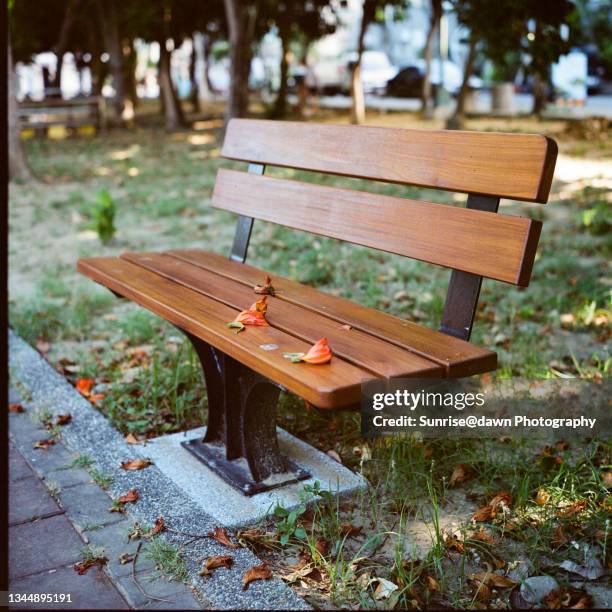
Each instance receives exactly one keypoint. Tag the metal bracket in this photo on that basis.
(464, 288)
(244, 227)
(240, 444)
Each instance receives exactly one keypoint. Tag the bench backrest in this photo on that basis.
(474, 241)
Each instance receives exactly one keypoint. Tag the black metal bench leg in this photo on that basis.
(240, 444)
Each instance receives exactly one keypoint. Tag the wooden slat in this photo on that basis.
(482, 243)
(333, 385)
(361, 349)
(516, 166)
(458, 357)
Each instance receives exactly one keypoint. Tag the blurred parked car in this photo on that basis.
(376, 71)
(409, 81)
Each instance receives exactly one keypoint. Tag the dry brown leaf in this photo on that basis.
(16, 408)
(453, 543)
(334, 455)
(322, 546)
(562, 445)
(82, 566)
(220, 535)
(483, 514)
(493, 580)
(159, 526)
(257, 572)
(45, 444)
(431, 584)
(567, 598)
(94, 398)
(266, 288)
(213, 563)
(345, 327)
(573, 508)
(43, 346)
(63, 419)
(542, 497)
(462, 473)
(135, 464)
(131, 497)
(607, 479)
(132, 439)
(488, 512)
(483, 535)
(350, 530)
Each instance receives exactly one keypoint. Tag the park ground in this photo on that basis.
(555, 499)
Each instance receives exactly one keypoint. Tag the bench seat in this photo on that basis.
(200, 292)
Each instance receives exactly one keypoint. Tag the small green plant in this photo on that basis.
(94, 554)
(54, 489)
(598, 219)
(168, 559)
(82, 461)
(103, 215)
(102, 480)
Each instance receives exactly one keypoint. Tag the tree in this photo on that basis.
(18, 166)
(544, 43)
(372, 11)
(301, 23)
(241, 18)
(434, 24)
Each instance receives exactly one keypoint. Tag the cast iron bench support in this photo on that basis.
(240, 444)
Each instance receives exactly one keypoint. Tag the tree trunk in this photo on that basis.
(62, 44)
(434, 23)
(194, 94)
(206, 50)
(129, 72)
(173, 112)
(110, 31)
(240, 23)
(357, 93)
(280, 104)
(539, 94)
(457, 120)
(55, 83)
(18, 166)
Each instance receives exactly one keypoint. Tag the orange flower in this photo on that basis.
(318, 354)
(255, 315)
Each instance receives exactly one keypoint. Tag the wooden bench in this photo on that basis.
(199, 291)
(74, 113)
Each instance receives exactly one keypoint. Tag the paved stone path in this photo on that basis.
(45, 543)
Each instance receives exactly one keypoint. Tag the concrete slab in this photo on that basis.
(87, 506)
(29, 500)
(114, 540)
(227, 505)
(91, 591)
(18, 466)
(42, 545)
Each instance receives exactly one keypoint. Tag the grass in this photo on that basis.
(161, 186)
(168, 559)
(102, 480)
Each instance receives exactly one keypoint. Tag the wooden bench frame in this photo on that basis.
(242, 384)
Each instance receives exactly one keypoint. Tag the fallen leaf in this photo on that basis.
(42, 346)
(462, 473)
(136, 464)
(592, 570)
(255, 315)
(44, 444)
(363, 451)
(498, 503)
(482, 535)
(334, 455)
(130, 497)
(319, 353)
(126, 558)
(542, 497)
(559, 537)
(257, 572)
(350, 530)
(94, 398)
(84, 386)
(567, 598)
(573, 508)
(160, 525)
(384, 589)
(562, 445)
(345, 327)
(82, 566)
(493, 580)
(132, 439)
(266, 288)
(16, 408)
(220, 535)
(213, 563)
(63, 419)
(431, 584)
(322, 546)
(606, 477)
